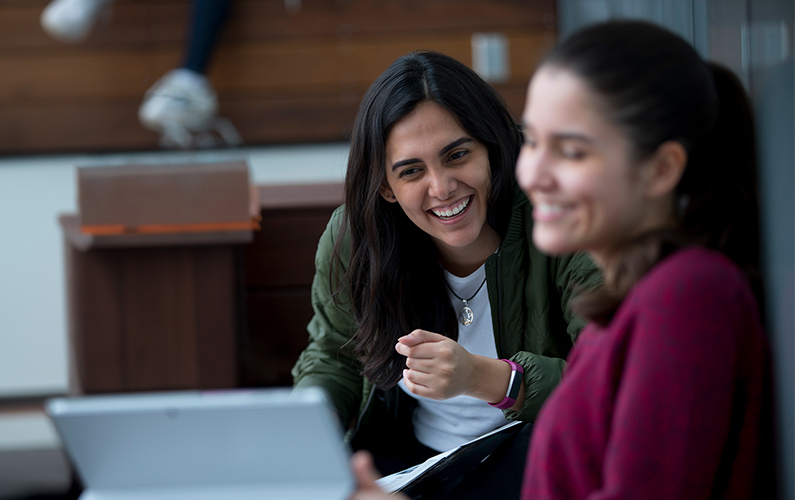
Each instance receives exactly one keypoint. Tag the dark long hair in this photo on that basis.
(656, 88)
(396, 284)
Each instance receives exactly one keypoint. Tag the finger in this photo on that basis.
(420, 351)
(418, 378)
(402, 349)
(420, 389)
(428, 366)
(420, 336)
(364, 471)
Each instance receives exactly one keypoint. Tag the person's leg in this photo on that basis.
(207, 19)
(182, 105)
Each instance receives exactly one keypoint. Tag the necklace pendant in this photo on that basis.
(465, 315)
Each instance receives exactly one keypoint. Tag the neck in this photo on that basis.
(464, 261)
(661, 216)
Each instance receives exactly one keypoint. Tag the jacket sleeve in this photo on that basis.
(574, 273)
(543, 373)
(329, 360)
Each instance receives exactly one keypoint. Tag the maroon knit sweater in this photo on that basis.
(672, 400)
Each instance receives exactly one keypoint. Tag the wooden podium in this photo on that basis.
(154, 316)
(195, 310)
(156, 309)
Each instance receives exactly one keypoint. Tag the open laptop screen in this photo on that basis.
(268, 443)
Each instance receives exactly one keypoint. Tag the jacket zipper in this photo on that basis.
(498, 329)
(361, 413)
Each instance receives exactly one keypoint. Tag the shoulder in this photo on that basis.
(335, 226)
(330, 236)
(695, 282)
(695, 268)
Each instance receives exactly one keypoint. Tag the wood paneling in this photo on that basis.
(158, 297)
(277, 336)
(289, 67)
(279, 266)
(152, 318)
(283, 252)
(95, 322)
(281, 77)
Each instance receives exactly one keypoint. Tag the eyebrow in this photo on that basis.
(442, 152)
(562, 136)
(571, 136)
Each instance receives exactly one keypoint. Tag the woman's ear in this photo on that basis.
(386, 193)
(665, 169)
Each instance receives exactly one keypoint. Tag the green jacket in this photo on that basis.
(529, 294)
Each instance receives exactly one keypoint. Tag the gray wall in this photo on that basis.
(754, 39)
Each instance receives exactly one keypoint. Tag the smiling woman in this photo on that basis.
(642, 154)
(440, 177)
(435, 317)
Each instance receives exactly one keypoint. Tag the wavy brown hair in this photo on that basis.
(656, 88)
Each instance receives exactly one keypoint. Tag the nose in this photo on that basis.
(442, 183)
(532, 169)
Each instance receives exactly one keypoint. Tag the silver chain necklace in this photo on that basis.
(465, 315)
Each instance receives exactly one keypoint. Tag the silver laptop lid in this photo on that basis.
(205, 443)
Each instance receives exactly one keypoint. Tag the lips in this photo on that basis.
(453, 211)
(545, 212)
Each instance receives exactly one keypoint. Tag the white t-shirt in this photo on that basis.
(443, 425)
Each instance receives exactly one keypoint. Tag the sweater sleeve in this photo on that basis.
(329, 360)
(675, 400)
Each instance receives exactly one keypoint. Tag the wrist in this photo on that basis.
(490, 377)
(513, 393)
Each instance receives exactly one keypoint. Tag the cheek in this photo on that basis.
(522, 171)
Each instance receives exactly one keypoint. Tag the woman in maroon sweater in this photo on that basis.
(641, 154)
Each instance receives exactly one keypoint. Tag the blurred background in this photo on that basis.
(288, 75)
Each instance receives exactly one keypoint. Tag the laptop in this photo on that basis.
(263, 444)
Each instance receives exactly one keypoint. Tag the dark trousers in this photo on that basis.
(207, 19)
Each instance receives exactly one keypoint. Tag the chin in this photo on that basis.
(553, 244)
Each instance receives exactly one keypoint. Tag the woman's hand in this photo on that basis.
(365, 474)
(439, 368)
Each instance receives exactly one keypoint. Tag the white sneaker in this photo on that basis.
(182, 106)
(72, 20)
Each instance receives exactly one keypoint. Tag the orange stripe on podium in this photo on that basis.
(203, 227)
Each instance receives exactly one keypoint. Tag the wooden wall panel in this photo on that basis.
(277, 336)
(158, 296)
(283, 251)
(275, 72)
(152, 318)
(95, 322)
(278, 268)
(287, 67)
(216, 327)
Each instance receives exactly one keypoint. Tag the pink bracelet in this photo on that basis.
(513, 386)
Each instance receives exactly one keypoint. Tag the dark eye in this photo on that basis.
(458, 155)
(573, 153)
(408, 172)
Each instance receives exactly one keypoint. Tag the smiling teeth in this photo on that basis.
(545, 209)
(450, 213)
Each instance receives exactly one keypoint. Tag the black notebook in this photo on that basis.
(439, 474)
